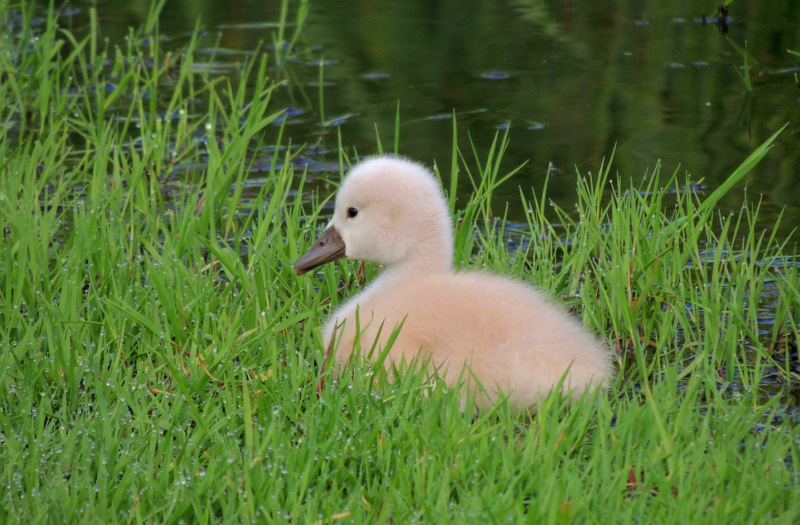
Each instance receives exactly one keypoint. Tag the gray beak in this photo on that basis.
(329, 247)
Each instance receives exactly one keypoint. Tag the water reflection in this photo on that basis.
(573, 79)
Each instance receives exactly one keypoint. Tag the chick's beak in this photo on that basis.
(329, 247)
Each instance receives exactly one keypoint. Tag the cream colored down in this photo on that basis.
(510, 336)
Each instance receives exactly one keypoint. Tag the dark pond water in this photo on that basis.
(572, 79)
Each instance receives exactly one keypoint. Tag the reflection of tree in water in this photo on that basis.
(574, 79)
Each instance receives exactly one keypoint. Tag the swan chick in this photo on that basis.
(512, 339)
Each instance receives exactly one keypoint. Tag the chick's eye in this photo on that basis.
(352, 212)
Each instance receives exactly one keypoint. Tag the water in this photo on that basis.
(572, 79)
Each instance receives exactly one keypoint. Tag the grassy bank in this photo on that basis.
(160, 362)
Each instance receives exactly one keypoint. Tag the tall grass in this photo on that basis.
(160, 362)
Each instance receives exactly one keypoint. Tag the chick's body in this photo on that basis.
(511, 338)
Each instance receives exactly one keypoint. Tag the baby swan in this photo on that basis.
(392, 211)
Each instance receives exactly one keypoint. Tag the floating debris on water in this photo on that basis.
(494, 75)
(439, 116)
(375, 76)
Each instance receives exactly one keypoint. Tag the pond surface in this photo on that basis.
(572, 80)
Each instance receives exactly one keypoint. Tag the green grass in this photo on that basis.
(160, 362)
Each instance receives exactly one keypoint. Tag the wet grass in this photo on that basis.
(160, 361)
